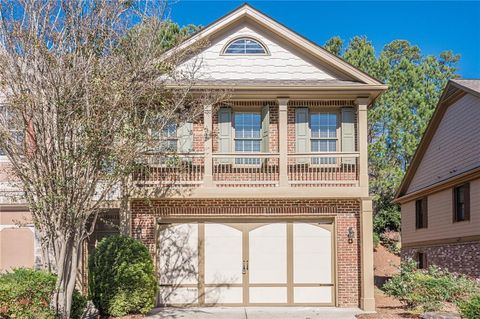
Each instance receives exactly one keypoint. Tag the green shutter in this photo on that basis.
(265, 128)
(302, 133)
(348, 133)
(225, 132)
(185, 137)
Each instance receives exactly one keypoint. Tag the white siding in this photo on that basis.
(455, 147)
(283, 62)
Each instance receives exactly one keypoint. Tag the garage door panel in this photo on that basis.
(178, 254)
(178, 295)
(312, 295)
(312, 254)
(268, 254)
(223, 295)
(223, 254)
(268, 295)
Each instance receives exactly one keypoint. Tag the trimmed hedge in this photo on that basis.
(121, 277)
(25, 293)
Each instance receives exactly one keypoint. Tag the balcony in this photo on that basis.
(319, 169)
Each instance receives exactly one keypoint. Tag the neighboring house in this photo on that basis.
(271, 203)
(440, 194)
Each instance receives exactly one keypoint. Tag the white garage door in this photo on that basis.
(246, 264)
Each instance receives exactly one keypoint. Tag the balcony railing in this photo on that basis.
(315, 169)
(245, 169)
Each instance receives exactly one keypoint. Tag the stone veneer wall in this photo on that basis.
(347, 213)
(461, 257)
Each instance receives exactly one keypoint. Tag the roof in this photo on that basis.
(273, 83)
(454, 87)
(245, 11)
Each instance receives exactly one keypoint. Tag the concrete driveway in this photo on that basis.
(254, 313)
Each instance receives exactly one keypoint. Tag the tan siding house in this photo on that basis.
(271, 208)
(445, 174)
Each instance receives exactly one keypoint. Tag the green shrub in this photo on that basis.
(376, 240)
(470, 309)
(25, 293)
(427, 290)
(121, 277)
(391, 241)
(387, 218)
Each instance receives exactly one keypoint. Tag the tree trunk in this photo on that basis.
(67, 262)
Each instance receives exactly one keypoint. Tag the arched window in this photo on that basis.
(245, 46)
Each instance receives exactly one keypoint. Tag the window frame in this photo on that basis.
(234, 138)
(466, 202)
(421, 259)
(3, 112)
(421, 206)
(247, 37)
(337, 139)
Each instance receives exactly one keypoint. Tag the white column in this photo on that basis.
(362, 122)
(208, 161)
(283, 141)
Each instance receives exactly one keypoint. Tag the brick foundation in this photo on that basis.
(462, 258)
(346, 213)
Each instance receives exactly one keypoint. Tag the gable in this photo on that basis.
(454, 147)
(282, 62)
(309, 53)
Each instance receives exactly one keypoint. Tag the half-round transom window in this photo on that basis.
(245, 46)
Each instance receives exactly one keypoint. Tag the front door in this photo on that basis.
(246, 264)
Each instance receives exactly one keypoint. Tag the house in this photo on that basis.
(271, 203)
(440, 194)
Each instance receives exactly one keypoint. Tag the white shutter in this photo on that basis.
(265, 128)
(185, 137)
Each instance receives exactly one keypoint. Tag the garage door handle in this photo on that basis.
(244, 269)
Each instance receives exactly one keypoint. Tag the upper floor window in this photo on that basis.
(166, 137)
(421, 213)
(461, 203)
(248, 137)
(245, 46)
(324, 137)
(17, 135)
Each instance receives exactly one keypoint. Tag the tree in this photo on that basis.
(86, 91)
(400, 116)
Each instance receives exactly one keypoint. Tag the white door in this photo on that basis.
(312, 264)
(178, 264)
(247, 264)
(267, 264)
(223, 264)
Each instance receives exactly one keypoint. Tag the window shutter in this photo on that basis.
(425, 212)
(348, 133)
(225, 132)
(302, 133)
(467, 201)
(265, 128)
(185, 137)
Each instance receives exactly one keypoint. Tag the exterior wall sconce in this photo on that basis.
(350, 235)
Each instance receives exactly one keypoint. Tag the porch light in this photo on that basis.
(350, 235)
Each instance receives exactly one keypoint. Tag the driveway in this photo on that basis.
(254, 313)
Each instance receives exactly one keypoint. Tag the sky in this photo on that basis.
(434, 26)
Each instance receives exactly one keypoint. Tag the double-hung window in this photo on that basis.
(17, 135)
(324, 137)
(166, 138)
(248, 138)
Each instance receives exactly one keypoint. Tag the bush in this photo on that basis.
(121, 277)
(470, 309)
(387, 219)
(391, 240)
(427, 290)
(25, 293)
(376, 240)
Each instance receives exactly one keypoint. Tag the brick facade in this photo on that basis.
(346, 213)
(461, 258)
